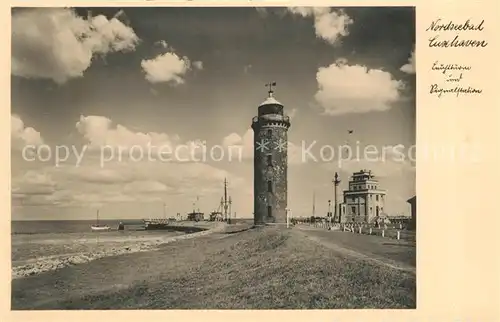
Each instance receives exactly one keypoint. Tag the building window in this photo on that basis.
(269, 160)
(269, 186)
(353, 209)
(376, 197)
(269, 132)
(371, 210)
(269, 211)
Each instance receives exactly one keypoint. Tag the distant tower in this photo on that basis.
(270, 128)
(337, 198)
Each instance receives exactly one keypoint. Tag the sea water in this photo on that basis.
(39, 243)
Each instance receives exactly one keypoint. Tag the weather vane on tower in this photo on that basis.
(271, 85)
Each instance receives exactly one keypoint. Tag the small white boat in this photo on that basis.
(98, 227)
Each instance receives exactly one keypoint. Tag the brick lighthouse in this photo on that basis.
(270, 129)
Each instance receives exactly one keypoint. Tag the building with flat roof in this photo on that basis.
(413, 206)
(364, 201)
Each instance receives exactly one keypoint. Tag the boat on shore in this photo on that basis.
(98, 227)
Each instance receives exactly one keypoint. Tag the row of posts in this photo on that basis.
(351, 228)
(370, 231)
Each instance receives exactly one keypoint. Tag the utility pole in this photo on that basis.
(314, 204)
(226, 204)
(336, 183)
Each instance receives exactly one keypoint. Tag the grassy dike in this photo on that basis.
(261, 268)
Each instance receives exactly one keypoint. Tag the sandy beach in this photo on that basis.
(260, 268)
(35, 254)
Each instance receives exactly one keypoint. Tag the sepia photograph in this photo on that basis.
(213, 158)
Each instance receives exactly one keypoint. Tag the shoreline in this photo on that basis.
(113, 248)
(220, 271)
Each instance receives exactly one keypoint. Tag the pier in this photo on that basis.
(156, 223)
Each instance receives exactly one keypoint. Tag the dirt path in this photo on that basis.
(309, 233)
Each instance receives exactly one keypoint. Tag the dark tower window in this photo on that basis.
(353, 210)
(269, 186)
(269, 211)
(269, 160)
(376, 197)
(269, 132)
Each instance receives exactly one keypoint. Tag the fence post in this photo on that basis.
(360, 229)
(383, 233)
(398, 234)
(370, 230)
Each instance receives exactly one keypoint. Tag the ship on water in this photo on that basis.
(222, 213)
(97, 227)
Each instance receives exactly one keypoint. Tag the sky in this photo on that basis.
(93, 88)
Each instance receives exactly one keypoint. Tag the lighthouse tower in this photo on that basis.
(270, 128)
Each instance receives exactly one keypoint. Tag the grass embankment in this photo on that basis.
(263, 268)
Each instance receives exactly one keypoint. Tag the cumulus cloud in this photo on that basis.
(116, 141)
(409, 67)
(32, 184)
(124, 181)
(168, 67)
(330, 25)
(119, 180)
(57, 44)
(243, 143)
(344, 88)
(22, 135)
(99, 131)
(198, 64)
